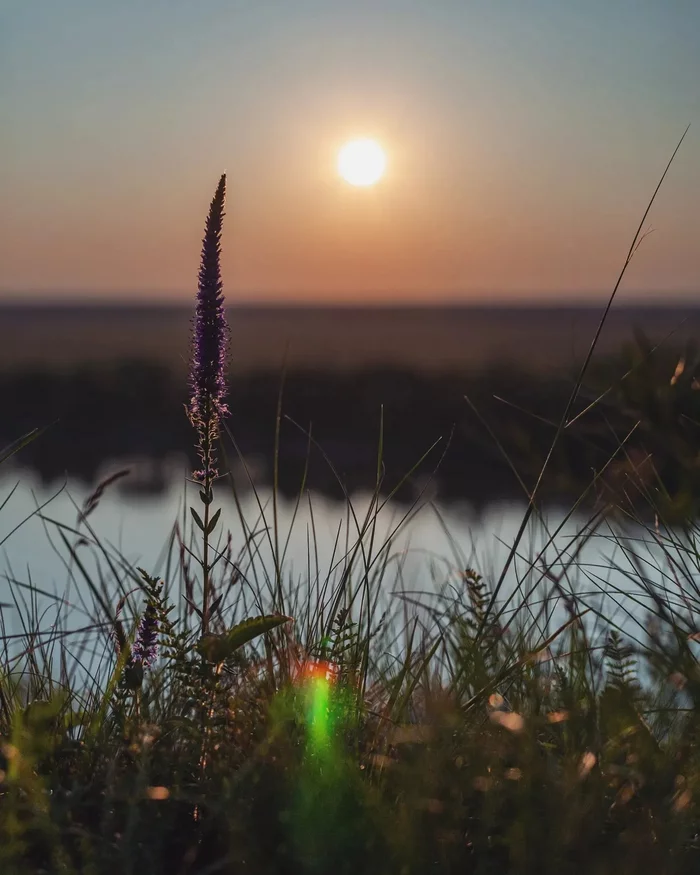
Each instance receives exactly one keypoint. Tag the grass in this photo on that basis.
(419, 733)
(539, 718)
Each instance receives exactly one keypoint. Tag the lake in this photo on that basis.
(429, 551)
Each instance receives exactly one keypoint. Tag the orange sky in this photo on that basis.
(521, 149)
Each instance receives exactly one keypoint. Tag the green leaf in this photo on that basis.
(17, 445)
(198, 520)
(218, 648)
(213, 521)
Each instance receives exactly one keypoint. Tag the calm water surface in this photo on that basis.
(428, 550)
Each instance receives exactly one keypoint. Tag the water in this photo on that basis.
(138, 527)
(431, 545)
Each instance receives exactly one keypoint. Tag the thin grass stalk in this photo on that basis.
(577, 386)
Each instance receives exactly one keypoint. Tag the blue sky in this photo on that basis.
(523, 138)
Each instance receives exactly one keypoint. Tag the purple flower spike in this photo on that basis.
(145, 648)
(209, 342)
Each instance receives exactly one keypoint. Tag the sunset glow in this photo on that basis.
(455, 152)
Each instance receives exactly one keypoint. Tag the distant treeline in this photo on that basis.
(483, 427)
(437, 338)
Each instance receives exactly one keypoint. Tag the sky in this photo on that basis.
(523, 137)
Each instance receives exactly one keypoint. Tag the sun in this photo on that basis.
(362, 162)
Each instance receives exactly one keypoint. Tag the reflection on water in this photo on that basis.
(139, 526)
(429, 550)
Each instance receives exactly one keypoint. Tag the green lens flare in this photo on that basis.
(319, 712)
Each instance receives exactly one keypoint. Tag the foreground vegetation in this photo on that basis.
(235, 715)
(553, 729)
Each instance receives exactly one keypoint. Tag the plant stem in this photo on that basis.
(205, 561)
(207, 500)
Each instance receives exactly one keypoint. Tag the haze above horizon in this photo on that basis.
(523, 140)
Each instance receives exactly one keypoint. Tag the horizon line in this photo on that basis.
(177, 300)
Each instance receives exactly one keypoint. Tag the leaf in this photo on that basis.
(215, 604)
(212, 522)
(218, 648)
(198, 520)
(194, 607)
(17, 445)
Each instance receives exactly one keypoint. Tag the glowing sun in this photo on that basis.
(362, 162)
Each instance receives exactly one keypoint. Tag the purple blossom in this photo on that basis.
(145, 648)
(209, 341)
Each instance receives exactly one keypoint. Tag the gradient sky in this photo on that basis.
(524, 138)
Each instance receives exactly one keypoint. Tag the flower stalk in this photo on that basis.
(207, 403)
